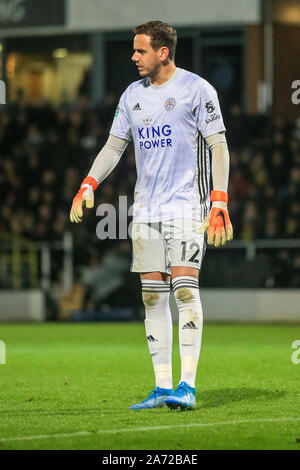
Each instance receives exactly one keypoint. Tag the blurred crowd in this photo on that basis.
(264, 184)
(46, 150)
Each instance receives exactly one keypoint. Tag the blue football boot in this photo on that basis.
(155, 399)
(183, 398)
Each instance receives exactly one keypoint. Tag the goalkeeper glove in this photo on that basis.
(218, 223)
(84, 197)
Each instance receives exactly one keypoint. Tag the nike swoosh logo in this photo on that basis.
(220, 213)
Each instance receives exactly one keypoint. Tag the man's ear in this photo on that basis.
(164, 53)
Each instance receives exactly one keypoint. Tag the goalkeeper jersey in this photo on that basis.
(168, 124)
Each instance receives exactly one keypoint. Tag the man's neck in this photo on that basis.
(163, 75)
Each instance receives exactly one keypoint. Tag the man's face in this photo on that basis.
(145, 57)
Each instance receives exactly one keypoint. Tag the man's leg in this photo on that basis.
(185, 286)
(158, 325)
(150, 260)
(186, 292)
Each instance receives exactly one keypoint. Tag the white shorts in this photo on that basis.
(159, 245)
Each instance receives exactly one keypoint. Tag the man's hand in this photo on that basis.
(217, 222)
(219, 227)
(84, 197)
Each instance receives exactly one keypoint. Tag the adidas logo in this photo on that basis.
(190, 326)
(137, 107)
(151, 339)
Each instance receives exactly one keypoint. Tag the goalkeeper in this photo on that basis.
(173, 117)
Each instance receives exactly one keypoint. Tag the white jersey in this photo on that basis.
(168, 124)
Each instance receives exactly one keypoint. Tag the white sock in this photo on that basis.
(159, 329)
(187, 296)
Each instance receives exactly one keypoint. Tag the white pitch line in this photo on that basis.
(151, 428)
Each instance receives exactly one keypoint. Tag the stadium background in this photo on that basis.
(64, 71)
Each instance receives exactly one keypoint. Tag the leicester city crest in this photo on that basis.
(170, 104)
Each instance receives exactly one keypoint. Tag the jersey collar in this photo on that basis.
(158, 87)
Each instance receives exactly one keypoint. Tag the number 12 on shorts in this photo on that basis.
(192, 246)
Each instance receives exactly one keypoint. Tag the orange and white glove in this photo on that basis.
(217, 222)
(84, 197)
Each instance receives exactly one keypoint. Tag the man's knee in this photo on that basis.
(151, 292)
(150, 298)
(184, 294)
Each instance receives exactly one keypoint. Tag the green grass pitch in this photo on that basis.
(69, 386)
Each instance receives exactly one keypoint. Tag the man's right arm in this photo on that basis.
(108, 158)
(103, 165)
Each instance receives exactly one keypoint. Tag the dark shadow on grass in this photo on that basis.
(223, 396)
(205, 399)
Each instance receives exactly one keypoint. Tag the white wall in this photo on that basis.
(118, 14)
(228, 305)
(22, 305)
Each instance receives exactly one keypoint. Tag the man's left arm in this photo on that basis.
(218, 223)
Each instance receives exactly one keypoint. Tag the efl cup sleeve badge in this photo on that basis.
(117, 111)
(170, 104)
